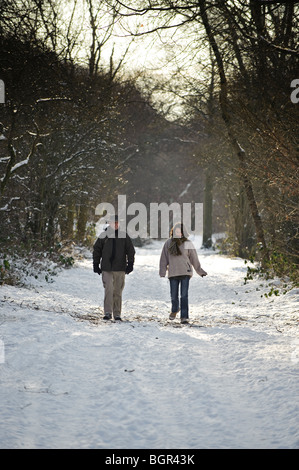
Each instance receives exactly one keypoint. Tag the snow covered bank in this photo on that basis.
(69, 380)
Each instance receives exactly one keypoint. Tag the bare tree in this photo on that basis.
(250, 42)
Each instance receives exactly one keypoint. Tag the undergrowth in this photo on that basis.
(278, 266)
(19, 264)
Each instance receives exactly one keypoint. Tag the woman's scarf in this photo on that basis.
(174, 246)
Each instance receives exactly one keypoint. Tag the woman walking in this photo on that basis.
(178, 256)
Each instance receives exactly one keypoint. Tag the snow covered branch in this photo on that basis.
(12, 166)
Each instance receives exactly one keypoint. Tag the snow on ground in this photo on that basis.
(70, 380)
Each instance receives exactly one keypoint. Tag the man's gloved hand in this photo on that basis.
(97, 269)
(129, 268)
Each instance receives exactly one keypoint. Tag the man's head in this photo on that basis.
(114, 225)
(113, 222)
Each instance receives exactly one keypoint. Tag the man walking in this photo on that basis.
(113, 257)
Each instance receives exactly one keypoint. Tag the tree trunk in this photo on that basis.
(67, 223)
(207, 212)
(236, 146)
(82, 221)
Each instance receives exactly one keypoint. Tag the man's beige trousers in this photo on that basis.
(114, 283)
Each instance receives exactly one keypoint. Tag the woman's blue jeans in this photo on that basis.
(174, 294)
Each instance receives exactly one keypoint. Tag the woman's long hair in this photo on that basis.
(183, 229)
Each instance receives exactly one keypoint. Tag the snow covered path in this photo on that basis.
(230, 381)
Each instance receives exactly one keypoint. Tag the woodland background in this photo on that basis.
(212, 121)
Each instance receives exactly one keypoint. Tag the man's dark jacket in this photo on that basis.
(114, 252)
